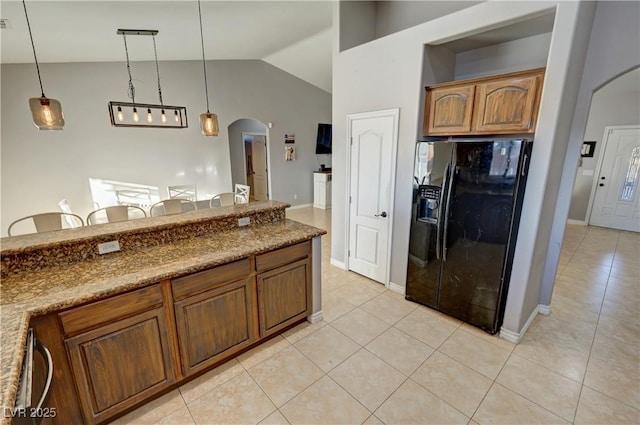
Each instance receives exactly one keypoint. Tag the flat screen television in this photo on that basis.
(323, 141)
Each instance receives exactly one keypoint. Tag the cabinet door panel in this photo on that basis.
(120, 364)
(284, 296)
(449, 110)
(215, 324)
(506, 106)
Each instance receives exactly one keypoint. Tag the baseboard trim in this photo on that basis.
(315, 317)
(545, 310)
(400, 289)
(576, 222)
(339, 264)
(297, 207)
(516, 337)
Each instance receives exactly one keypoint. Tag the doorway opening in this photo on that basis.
(605, 186)
(249, 155)
(256, 169)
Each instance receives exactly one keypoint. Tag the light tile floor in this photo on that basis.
(377, 358)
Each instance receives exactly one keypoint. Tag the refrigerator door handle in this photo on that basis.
(438, 228)
(524, 164)
(446, 211)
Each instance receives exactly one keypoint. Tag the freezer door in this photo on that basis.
(477, 226)
(425, 244)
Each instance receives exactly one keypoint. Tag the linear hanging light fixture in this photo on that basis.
(47, 113)
(208, 121)
(134, 114)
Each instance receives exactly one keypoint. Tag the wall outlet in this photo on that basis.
(244, 221)
(107, 247)
(295, 196)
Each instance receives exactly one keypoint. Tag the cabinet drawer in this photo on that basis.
(92, 315)
(283, 256)
(209, 279)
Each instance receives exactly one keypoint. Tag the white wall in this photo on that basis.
(39, 168)
(393, 16)
(358, 25)
(517, 55)
(387, 73)
(607, 108)
(613, 51)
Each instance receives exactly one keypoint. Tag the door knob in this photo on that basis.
(383, 214)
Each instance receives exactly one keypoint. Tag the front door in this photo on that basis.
(616, 202)
(373, 138)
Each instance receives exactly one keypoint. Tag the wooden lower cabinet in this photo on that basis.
(120, 364)
(284, 296)
(112, 355)
(216, 324)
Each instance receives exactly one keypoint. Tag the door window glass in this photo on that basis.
(631, 179)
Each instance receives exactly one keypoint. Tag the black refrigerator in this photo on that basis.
(467, 200)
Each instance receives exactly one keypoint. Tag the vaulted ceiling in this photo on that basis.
(292, 35)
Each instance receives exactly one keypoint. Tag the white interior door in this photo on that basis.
(259, 150)
(616, 202)
(373, 138)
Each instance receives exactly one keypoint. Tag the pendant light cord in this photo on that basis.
(34, 47)
(132, 90)
(204, 66)
(155, 53)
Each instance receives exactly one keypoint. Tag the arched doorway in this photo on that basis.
(249, 155)
(614, 104)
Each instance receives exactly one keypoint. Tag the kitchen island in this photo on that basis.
(170, 289)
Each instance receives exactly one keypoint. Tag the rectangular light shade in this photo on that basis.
(123, 114)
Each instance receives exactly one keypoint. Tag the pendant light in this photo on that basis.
(136, 114)
(47, 113)
(208, 121)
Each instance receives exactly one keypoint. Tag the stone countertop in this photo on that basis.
(21, 243)
(35, 293)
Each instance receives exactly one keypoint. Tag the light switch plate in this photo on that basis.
(244, 221)
(107, 247)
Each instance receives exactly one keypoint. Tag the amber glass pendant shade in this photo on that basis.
(47, 113)
(209, 124)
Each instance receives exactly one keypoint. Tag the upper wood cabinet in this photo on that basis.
(449, 109)
(503, 104)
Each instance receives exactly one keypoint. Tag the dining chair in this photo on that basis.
(115, 213)
(172, 206)
(222, 199)
(242, 193)
(46, 222)
(185, 191)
